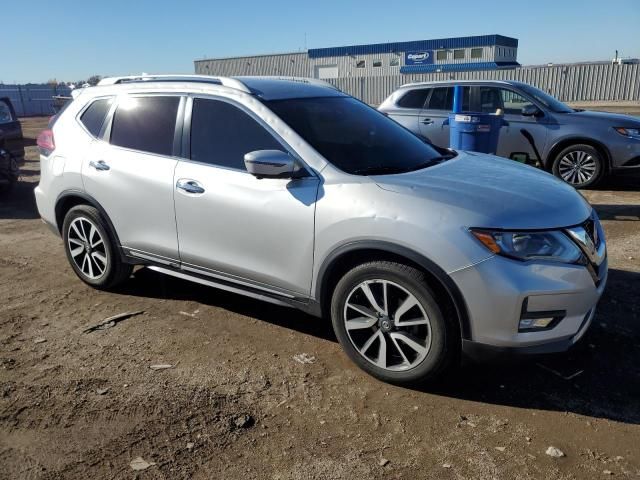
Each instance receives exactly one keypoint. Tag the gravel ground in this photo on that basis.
(237, 405)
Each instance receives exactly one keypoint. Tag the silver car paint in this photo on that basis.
(276, 234)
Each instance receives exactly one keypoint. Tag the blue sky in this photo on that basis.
(71, 40)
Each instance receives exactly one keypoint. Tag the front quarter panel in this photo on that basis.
(357, 210)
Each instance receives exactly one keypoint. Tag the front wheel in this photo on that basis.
(581, 166)
(387, 320)
(91, 249)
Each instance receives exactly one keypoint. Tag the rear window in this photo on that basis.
(146, 123)
(93, 117)
(414, 98)
(5, 112)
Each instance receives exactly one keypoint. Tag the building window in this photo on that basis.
(377, 63)
(458, 54)
(441, 55)
(476, 53)
(361, 64)
(394, 62)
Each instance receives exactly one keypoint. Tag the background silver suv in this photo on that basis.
(578, 146)
(295, 193)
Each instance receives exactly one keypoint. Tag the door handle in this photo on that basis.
(99, 165)
(427, 121)
(189, 186)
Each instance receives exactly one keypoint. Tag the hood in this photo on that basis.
(492, 192)
(616, 119)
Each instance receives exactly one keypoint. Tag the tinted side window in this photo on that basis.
(221, 134)
(441, 99)
(145, 123)
(93, 117)
(490, 99)
(414, 98)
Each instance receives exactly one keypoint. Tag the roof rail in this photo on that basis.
(224, 81)
(310, 81)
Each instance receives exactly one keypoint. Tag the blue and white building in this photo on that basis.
(484, 52)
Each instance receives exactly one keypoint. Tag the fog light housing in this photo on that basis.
(538, 321)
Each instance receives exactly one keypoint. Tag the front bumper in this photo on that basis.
(495, 290)
(483, 352)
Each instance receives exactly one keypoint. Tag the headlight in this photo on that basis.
(628, 132)
(551, 245)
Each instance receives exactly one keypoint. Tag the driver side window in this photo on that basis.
(513, 102)
(221, 134)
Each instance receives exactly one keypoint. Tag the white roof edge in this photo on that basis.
(225, 81)
(308, 80)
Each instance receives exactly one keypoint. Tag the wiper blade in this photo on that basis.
(378, 170)
(389, 169)
(433, 161)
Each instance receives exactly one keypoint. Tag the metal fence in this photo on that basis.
(569, 83)
(33, 99)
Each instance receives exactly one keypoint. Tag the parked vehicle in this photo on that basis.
(578, 146)
(9, 171)
(294, 193)
(11, 130)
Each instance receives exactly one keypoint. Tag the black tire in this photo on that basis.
(116, 271)
(444, 335)
(594, 168)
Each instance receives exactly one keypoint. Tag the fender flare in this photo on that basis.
(89, 200)
(388, 247)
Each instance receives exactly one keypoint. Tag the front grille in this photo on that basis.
(589, 237)
(590, 227)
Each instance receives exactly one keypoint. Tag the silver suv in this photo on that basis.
(294, 193)
(577, 146)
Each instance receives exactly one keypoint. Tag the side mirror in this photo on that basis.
(270, 164)
(531, 111)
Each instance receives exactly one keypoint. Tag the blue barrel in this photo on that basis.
(478, 132)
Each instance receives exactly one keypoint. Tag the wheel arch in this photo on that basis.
(561, 144)
(347, 256)
(72, 198)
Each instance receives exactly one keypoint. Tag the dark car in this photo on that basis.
(11, 130)
(578, 146)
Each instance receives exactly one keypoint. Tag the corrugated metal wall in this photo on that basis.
(33, 99)
(292, 64)
(596, 82)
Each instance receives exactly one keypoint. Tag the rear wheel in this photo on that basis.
(580, 166)
(91, 249)
(389, 323)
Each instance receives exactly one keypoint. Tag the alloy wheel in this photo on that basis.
(87, 248)
(387, 325)
(577, 167)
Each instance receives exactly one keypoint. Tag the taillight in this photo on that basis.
(45, 142)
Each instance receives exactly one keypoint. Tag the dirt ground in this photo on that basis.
(237, 405)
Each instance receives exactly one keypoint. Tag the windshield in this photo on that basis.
(547, 100)
(353, 136)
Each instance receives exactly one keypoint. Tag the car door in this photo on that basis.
(518, 138)
(434, 118)
(232, 225)
(131, 173)
(408, 107)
